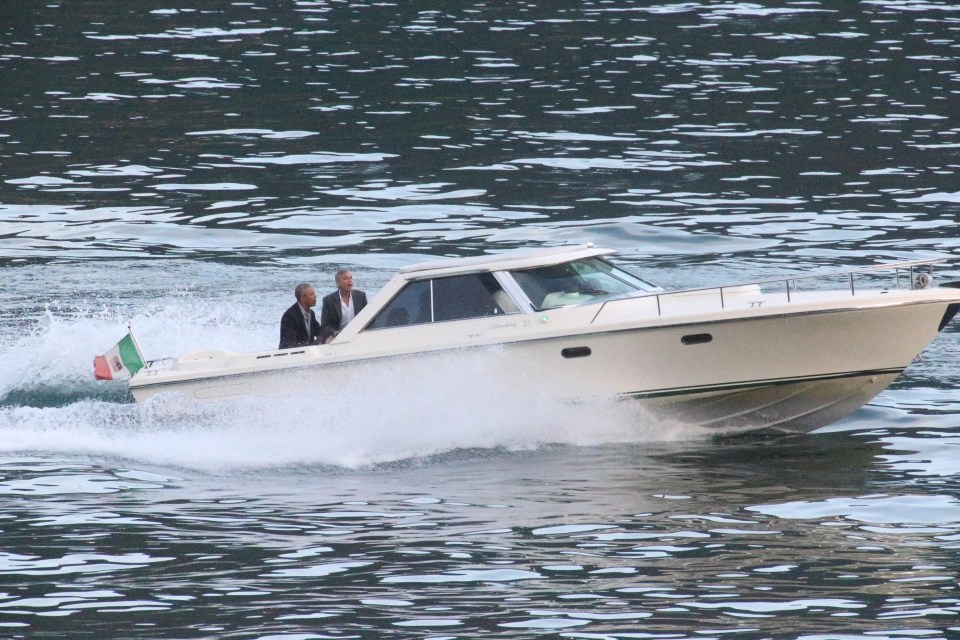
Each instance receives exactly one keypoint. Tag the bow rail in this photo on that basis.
(919, 276)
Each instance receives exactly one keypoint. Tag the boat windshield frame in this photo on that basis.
(576, 282)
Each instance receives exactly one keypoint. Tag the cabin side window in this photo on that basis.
(476, 295)
(410, 306)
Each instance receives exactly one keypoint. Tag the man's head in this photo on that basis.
(344, 281)
(306, 296)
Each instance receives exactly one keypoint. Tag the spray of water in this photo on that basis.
(51, 403)
(363, 430)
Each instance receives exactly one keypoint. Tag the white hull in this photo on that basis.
(793, 367)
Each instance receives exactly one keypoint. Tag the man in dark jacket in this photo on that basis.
(299, 326)
(340, 307)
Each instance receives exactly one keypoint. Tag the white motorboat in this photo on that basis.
(783, 354)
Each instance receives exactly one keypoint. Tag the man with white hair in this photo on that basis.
(341, 306)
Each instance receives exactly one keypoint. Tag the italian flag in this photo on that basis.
(120, 362)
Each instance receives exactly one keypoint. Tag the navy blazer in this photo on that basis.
(330, 312)
(293, 330)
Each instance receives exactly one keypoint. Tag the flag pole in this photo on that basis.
(136, 344)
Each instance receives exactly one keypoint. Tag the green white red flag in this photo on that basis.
(120, 362)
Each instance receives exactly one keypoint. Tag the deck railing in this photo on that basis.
(920, 277)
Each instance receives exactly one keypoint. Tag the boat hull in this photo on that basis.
(790, 372)
(793, 407)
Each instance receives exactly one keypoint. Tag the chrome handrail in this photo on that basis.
(896, 267)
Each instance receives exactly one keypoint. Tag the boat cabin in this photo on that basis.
(526, 282)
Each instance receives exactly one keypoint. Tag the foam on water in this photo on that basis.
(57, 349)
(356, 428)
(50, 402)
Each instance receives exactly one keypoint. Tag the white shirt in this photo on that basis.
(346, 310)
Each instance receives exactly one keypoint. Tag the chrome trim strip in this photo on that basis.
(756, 384)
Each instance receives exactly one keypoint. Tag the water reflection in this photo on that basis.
(595, 539)
(718, 117)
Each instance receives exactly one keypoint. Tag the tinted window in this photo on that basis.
(476, 295)
(410, 306)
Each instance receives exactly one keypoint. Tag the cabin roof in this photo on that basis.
(502, 261)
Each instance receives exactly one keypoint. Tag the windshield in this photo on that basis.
(578, 282)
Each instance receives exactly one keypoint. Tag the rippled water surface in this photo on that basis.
(179, 167)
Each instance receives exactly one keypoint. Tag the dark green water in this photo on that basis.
(181, 167)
